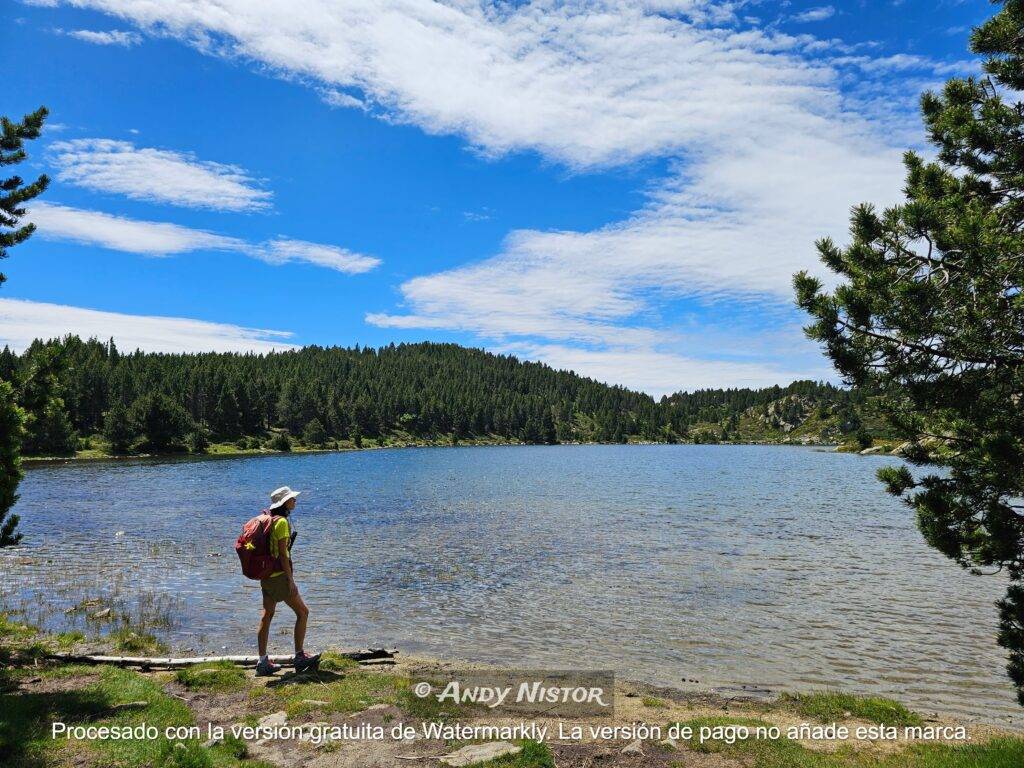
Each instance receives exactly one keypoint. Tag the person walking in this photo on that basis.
(280, 586)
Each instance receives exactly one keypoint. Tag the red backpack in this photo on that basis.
(253, 547)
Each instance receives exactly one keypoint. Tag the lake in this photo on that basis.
(725, 565)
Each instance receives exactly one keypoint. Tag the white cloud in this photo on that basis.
(283, 250)
(154, 238)
(150, 238)
(820, 13)
(22, 321)
(111, 37)
(771, 138)
(662, 373)
(159, 175)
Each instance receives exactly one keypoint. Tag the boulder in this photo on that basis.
(273, 720)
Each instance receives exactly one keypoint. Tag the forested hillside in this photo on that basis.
(399, 394)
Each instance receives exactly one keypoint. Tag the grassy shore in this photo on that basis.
(35, 693)
(97, 452)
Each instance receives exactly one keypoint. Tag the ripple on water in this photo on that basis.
(728, 564)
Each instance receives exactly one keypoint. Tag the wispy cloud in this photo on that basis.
(820, 13)
(284, 250)
(769, 137)
(154, 238)
(159, 175)
(22, 321)
(104, 37)
(149, 238)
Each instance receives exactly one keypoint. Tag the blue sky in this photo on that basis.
(619, 188)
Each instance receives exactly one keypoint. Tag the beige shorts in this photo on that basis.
(275, 588)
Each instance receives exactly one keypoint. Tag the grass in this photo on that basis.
(353, 692)
(785, 753)
(90, 695)
(13, 631)
(533, 755)
(653, 702)
(212, 676)
(334, 662)
(833, 706)
(68, 640)
(128, 640)
(26, 717)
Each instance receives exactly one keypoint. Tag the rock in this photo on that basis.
(671, 743)
(101, 614)
(130, 705)
(273, 720)
(478, 753)
(373, 707)
(212, 742)
(872, 449)
(322, 732)
(636, 748)
(119, 534)
(316, 703)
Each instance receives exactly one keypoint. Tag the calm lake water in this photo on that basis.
(785, 567)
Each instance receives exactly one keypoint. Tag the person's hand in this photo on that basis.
(293, 589)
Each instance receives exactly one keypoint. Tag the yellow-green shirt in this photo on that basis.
(280, 532)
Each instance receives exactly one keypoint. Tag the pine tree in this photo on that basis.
(163, 423)
(118, 429)
(11, 420)
(14, 193)
(931, 314)
(314, 434)
(48, 430)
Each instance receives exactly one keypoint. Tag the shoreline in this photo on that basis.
(344, 716)
(92, 457)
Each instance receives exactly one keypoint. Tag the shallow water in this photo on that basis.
(786, 567)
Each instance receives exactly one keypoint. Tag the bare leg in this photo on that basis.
(263, 636)
(301, 615)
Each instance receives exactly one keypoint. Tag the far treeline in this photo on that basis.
(110, 402)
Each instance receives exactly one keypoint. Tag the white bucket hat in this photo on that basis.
(281, 495)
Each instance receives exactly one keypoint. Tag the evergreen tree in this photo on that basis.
(118, 429)
(14, 193)
(198, 440)
(314, 434)
(163, 423)
(48, 429)
(280, 442)
(49, 432)
(11, 420)
(931, 314)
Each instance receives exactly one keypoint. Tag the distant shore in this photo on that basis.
(229, 450)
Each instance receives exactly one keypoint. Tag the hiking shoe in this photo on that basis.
(304, 661)
(264, 668)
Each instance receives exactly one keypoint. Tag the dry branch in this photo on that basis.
(365, 655)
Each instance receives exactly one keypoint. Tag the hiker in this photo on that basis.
(280, 586)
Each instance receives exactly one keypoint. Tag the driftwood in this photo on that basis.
(366, 656)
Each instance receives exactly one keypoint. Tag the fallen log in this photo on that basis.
(365, 655)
